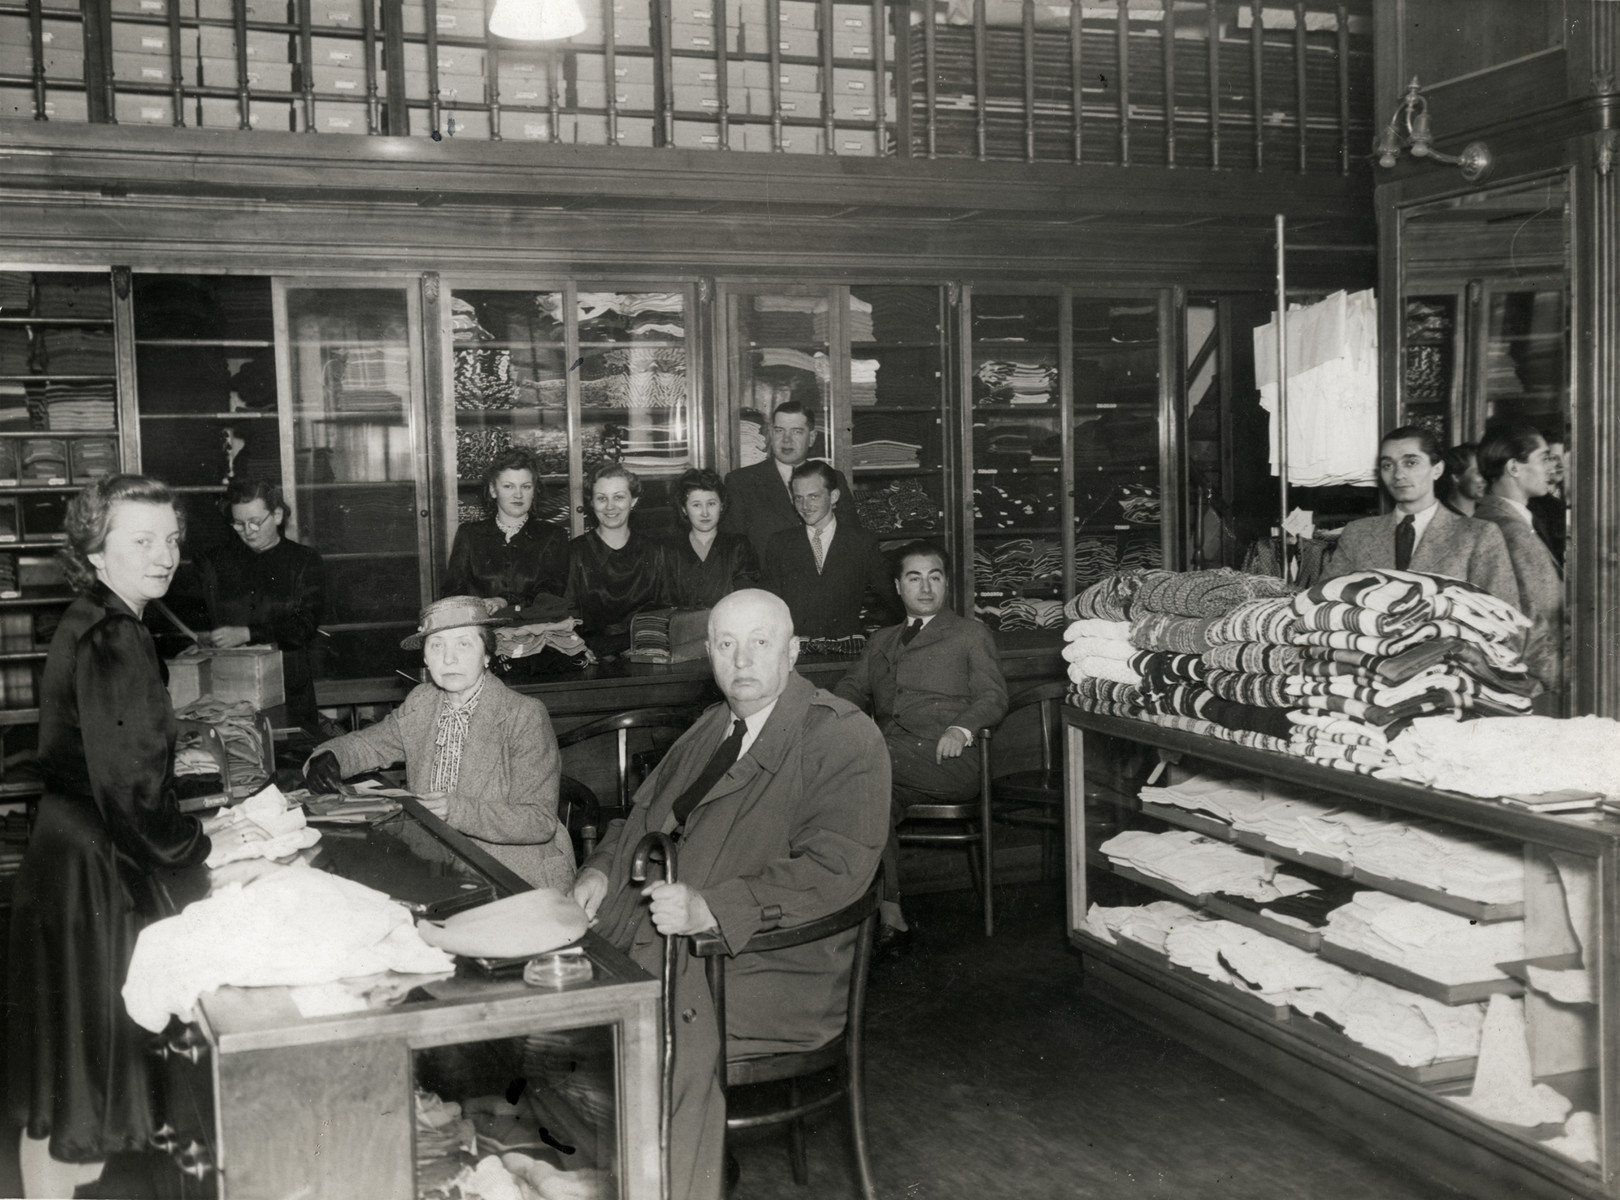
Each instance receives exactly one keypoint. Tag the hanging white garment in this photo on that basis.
(1332, 389)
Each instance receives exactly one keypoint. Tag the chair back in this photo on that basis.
(1049, 696)
(620, 724)
(579, 812)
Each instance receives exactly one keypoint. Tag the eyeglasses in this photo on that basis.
(251, 526)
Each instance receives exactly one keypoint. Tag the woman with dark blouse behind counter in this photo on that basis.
(511, 556)
(704, 564)
(613, 571)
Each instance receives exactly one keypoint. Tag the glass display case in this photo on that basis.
(780, 348)
(1431, 383)
(59, 429)
(1526, 349)
(898, 444)
(354, 397)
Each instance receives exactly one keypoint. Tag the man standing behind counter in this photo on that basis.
(266, 589)
(825, 566)
(759, 502)
(930, 683)
(779, 798)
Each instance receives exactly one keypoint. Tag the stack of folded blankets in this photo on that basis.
(1101, 679)
(863, 377)
(1381, 647)
(1013, 382)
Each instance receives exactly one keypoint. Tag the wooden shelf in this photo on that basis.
(220, 416)
(223, 343)
(17, 656)
(18, 716)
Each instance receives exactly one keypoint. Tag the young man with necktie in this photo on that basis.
(931, 683)
(760, 504)
(1420, 533)
(825, 567)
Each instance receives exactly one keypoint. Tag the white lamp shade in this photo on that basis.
(536, 20)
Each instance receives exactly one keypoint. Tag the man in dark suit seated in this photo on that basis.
(781, 820)
(931, 683)
(759, 503)
(825, 566)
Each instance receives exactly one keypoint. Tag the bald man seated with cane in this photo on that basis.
(779, 799)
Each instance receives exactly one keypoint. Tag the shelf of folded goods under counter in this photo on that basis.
(261, 1101)
(1410, 1109)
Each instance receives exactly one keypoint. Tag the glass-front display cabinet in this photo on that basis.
(354, 394)
(581, 374)
(781, 345)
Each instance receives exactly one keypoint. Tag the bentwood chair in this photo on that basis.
(1032, 797)
(845, 1054)
(582, 814)
(966, 824)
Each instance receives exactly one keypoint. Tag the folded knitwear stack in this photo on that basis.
(1381, 647)
(1427, 941)
(1201, 866)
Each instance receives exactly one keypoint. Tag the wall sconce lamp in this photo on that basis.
(536, 20)
(1413, 114)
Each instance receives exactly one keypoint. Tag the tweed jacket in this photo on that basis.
(1454, 545)
(505, 796)
(759, 504)
(828, 603)
(1541, 589)
(791, 832)
(950, 674)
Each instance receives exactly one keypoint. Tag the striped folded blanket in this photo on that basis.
(1245, 687)
(1161, 631)
(1254, 657)
(1271, 621)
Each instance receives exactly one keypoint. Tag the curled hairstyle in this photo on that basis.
(246, 491)
(513, 458)
(1457, 459)
(1503, 444)
(614, 471)
(89, 516)
(918, 549)
(699, 479)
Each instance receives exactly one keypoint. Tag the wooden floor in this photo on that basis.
(991, 1075)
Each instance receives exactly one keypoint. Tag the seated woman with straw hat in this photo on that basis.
(481, 756)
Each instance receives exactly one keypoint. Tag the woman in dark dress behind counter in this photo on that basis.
(613, 571)
(704, 564)
(511, 556)
(76, 1064)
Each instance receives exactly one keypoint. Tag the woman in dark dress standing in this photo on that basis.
(704, 564)
(107, 824)
(511, 556)
(613, 571)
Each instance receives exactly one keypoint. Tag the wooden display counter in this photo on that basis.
(1408, 1111)
(263, 1102)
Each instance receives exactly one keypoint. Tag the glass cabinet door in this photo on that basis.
(353, 389)
(1115, 373)
(1431, 383)
(1013, 410)
(637, 394)
(780, 348)
(898, 447)
(508, 383)
(1526, 356)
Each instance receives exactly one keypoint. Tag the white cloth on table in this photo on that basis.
(1427, 941)
(267, 810)
(293, 927)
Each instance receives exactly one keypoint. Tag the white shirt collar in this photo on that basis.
(753, 725)
(785, 471)
(1522, 509)
(924, 620)
(827, 531)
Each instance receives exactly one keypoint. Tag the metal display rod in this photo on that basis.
(1282, 400)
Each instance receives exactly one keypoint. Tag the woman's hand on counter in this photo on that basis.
(227, 636)
(437, 803)
(323, 775)
(243, 871)
(590, 888)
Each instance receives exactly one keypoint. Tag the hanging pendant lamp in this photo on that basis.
(536, 20)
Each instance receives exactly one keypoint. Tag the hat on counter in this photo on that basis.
(453, 612)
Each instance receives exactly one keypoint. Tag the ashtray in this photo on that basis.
(559, 968)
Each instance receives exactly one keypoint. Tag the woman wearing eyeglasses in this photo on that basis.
(266, 589)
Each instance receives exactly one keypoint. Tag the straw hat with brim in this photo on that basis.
(453, 612)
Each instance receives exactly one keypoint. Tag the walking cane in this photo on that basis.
(661, 845)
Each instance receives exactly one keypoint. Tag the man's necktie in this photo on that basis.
(724, 756)
(815, 547)
(911, 631)
(1405, 539)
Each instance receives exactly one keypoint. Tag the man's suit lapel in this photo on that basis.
(1436, 539)
(686, 762)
